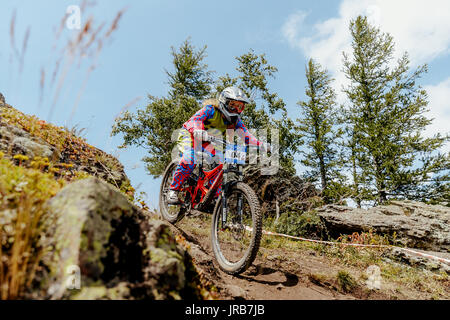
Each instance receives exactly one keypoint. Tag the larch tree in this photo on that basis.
(318, 125)
(386, 118)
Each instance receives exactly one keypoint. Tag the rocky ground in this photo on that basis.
(69, 225)
(292, 270)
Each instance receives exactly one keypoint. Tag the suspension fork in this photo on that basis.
(225, 187)
(239, 204)
(224, 198)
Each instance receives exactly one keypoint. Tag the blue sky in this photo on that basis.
(132, 62)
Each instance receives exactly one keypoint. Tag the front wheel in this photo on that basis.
(236, 239)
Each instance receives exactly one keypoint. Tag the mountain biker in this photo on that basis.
(216, 115)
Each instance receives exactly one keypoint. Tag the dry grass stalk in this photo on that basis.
(86, 43)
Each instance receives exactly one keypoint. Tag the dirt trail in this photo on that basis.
(275, 275)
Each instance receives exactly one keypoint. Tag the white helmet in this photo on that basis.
(227, 95)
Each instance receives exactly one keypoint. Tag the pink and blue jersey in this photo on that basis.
(208, 118)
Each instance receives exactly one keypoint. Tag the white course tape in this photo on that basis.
(425, 255)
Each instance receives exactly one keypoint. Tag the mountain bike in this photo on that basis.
(236, 219)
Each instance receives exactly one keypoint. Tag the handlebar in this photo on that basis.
(204, 136)
(213, 139)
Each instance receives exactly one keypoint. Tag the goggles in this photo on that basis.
(236, 106)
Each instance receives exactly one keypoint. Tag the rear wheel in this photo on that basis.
(171, 213)
(236, 241)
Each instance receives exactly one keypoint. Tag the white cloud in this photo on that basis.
(439, 97)
(422, 28)
(292, 26)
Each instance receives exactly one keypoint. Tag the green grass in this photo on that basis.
(23, 193)
(75, 149)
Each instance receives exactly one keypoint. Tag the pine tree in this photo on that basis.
(317, 125)
(385, 119)
(152, 127)
(191, 77)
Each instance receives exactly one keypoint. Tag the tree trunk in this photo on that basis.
(355, 180)
(323, 175)
(381, 189)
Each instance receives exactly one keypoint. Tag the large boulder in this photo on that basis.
(281, 192)
(416, 260)
(415, 224)
(120, 252)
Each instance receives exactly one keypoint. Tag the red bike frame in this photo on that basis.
(203, 181)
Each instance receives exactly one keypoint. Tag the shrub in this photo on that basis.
(301, 224)
(370, 238)
(345, 281)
